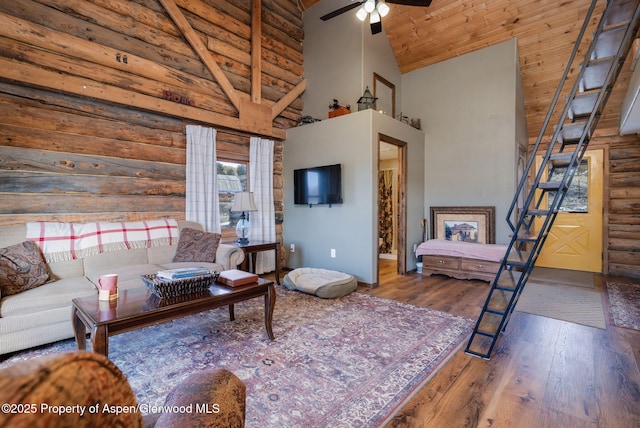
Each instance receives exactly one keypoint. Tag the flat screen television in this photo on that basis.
(318, 185)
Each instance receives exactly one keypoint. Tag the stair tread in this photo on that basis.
(518, 258)
(550, 185)
(561, 159)
(597, 77)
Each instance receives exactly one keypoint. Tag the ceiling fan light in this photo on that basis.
(374, 17)
(369, 6)
(361, 14)
(382, 8)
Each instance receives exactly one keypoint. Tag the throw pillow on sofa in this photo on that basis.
(196, 246)
(22, 267)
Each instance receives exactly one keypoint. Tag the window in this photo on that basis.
(576, 200)
(232, 177)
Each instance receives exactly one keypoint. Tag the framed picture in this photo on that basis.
(468, 224)
(386, 93)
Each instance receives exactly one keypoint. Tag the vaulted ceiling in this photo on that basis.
(546, 31)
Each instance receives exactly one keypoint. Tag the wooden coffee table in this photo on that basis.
(136, 308)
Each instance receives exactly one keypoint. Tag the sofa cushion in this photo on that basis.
(161, 254)
(177, 265)
(196, 246)
(52, 295)
(128, 276)
(105, 262)
(22, 267)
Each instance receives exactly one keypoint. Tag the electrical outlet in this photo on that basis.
(293, 248)
(333, 253)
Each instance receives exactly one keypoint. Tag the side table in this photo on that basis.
(252, 249)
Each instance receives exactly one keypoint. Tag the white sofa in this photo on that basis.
(43, 315)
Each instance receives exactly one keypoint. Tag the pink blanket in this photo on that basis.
(70, 241)
(470, 250)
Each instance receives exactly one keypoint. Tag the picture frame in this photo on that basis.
(468, 224)
(385, 91)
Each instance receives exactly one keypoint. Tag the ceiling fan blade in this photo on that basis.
(423, 3)
(340, 11)
(376, 27)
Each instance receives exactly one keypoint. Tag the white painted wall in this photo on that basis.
(340, 57)
(472, 112)
(351, 227)
(471, 109)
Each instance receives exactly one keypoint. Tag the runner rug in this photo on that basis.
(624, 304)
(344, 362)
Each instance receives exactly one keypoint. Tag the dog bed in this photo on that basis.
(324, 283)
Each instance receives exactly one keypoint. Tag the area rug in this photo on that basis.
(623, 304)
(542, 275)
(571, 304)
(344, 362)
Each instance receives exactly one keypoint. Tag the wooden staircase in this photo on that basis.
(578, 118)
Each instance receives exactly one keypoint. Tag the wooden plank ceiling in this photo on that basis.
(546, 31)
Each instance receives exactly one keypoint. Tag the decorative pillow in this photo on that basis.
(22, 267)
(196, 246)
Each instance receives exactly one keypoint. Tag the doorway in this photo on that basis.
(391, 205)
(575, 239)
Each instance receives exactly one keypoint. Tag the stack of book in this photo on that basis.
(182, 273)
(235, 277)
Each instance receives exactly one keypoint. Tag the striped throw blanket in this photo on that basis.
(70, 241)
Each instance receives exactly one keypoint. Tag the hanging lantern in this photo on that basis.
(367, 100)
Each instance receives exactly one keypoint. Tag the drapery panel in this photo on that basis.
(385, 210)
(263, 221)
(202, 204)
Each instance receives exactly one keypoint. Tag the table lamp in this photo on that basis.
(243, 202)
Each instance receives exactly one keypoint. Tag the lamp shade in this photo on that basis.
(382, 8)
(243, 201)
(369, 6)
(374, 17)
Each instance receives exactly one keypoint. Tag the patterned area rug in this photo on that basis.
(346, 362)
(624, 304)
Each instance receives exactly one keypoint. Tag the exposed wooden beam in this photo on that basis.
(256, 49)
(39, 77)
(278, 107)
(254, 117)
(50, 40)
(201, 49)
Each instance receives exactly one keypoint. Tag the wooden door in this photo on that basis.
(575, 239)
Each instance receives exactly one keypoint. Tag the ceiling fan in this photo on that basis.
(375, 9)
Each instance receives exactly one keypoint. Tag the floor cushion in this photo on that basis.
(324, 283)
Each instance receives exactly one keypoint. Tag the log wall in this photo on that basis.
(95, 96)
(621, 201)
(622, 215)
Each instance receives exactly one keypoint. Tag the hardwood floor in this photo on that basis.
(543, 372)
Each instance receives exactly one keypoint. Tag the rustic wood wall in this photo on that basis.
(95, 96)
(622, 215)
(621, 201)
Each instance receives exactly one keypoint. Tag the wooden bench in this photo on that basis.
(461, 260)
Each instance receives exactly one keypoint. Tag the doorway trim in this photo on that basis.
(402, 204)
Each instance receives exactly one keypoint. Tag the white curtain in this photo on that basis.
(262, 222)
(202, 179)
